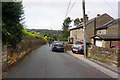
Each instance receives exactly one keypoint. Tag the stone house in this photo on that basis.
(107, 35)
(76, 34)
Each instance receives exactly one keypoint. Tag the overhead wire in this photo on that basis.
(68, 8)
(110, 6)
(71, 8)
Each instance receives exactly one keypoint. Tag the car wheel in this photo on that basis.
(52, 50)
(73, 51)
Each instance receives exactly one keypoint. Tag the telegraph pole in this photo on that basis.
(84, 27)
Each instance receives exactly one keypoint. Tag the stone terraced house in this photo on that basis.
(76, 34)
(107, 35)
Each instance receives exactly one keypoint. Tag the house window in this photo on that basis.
(98, 43)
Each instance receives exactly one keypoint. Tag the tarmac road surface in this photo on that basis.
(44, 63)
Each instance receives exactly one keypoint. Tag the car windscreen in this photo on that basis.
(58, 43)
(78, 42)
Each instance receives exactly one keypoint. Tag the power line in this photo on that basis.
(71, 8)
(68, 8)
(110, 6)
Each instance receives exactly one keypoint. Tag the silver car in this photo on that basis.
(78, 47)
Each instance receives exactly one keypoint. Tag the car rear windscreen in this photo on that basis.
(79, 43)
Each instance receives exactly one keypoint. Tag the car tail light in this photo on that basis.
(81, 46)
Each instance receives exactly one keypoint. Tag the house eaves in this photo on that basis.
(106, 37)
(109, 24)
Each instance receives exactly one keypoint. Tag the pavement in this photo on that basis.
(110, 70)
(44, 63)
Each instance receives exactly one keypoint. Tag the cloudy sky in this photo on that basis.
(49, 14)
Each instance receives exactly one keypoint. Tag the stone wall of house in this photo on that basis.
(72, 36)
(109, 56)
(89, 31)
(113, 30)
(71, 33)
(107, 44)
(103, 19)
(90, 28)
(80, 34)
(114, 43)
(103, 31)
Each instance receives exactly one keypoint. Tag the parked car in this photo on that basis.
(116, 47)
(78, 47)
(58, 46)
(65, 42)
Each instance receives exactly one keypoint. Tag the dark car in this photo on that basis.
(58, 46)
(78, 47)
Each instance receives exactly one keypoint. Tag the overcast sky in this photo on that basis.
(49, 14)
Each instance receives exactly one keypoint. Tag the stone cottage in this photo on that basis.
(76, 34)
(107, 35)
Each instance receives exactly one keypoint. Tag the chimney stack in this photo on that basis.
(98, 15)
(86, 17)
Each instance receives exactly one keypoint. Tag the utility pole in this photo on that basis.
(84, 27)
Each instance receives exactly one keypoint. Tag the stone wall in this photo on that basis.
(113, 30)
(103, 19)
(68, 47)
(109, 56)
(80, 35)
(24, 47)
(4, 56)
(89, 31)
(103, 31)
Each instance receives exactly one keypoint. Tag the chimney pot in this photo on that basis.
(98, 14)
(86, 17)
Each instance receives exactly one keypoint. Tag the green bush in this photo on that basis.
(63, 39)
(29, 34)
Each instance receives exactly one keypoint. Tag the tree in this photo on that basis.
(33, 32)
(66, 26)
(45, 35)
(77, 21)
(11, 18)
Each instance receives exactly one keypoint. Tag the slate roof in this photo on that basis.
(107, 37)
(109, 24)
(89, 21)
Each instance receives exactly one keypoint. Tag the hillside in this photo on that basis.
(46, 31)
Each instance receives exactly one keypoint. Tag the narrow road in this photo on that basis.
(44, 63)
